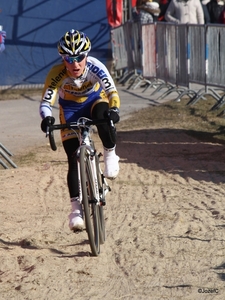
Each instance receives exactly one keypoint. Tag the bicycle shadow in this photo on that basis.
(29, 244)
(174, 151)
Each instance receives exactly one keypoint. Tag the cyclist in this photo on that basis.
(85, 89)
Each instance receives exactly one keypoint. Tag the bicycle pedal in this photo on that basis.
(100, 154)
(102, 202)
(107, 188)
(92, 201)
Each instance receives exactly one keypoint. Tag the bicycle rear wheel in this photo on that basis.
(91, 210)
(102, 201)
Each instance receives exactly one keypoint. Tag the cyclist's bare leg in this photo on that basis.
(76, 216)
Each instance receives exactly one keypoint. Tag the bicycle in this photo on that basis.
(93, 186)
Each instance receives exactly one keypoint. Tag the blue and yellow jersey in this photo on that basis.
(95, 79)
(77, 96)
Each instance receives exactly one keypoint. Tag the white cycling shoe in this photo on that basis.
(111, 161)
(76, 222)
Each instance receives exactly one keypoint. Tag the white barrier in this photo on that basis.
(5, 153)
(176, 55)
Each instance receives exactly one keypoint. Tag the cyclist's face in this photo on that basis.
(75, 68)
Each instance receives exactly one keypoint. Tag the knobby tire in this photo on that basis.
(91, 210)
(102, 196)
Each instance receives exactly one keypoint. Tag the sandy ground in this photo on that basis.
(165, 222)
(165, 217)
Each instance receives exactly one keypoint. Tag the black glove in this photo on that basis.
(46, 122)
(113, 114)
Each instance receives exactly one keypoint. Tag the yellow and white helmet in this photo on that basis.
(74, 43)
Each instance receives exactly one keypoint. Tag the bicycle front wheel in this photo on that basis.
(91, 210)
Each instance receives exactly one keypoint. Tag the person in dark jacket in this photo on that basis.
(215, 8)
(205, 11)
(163, 5)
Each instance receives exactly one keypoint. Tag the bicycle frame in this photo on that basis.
(91, 182)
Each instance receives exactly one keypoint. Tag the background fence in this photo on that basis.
(174, 55)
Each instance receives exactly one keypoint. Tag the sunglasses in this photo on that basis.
(72, 59)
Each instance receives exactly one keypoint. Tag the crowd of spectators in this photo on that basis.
(180, 11)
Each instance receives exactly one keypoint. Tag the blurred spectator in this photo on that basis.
(185, 11)
(222, 16)
(215, 8)
(163, 5)
(135, 14)
(148, 11)
(2, 39)
(205, 11)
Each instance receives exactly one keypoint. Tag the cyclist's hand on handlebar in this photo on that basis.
(113, 114)
(46, 122)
